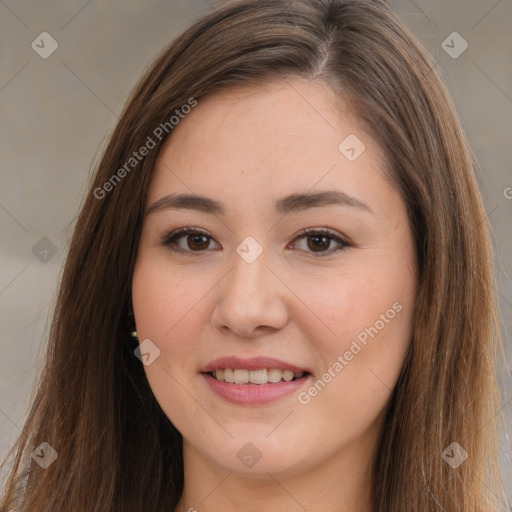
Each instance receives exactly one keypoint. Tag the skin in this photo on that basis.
(247, 147)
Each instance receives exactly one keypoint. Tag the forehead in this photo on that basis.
(293, 110)
(263, 139)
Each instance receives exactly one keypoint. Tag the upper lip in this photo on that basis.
(252, 363)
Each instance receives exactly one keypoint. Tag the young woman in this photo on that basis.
(279, 293)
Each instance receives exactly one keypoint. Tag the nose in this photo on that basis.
(251, 299)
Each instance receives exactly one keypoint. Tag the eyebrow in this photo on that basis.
(288, 204)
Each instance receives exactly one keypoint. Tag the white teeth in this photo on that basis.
(258, 376)
(241, 376)
(262, 376)
(274, 375)
(287, 375)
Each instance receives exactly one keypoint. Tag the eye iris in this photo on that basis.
(324, 238)
(195, 238)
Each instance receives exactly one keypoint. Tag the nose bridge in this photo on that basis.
(247, 277)
(249, 285)
(251, 295)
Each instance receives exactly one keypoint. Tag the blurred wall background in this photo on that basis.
(60, 98)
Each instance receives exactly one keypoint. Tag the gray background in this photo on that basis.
(57, 113)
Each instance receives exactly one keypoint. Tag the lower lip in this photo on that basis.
(253, 394)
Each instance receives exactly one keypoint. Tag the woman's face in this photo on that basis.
(335, 303)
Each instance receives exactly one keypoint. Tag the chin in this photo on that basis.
(260, 456)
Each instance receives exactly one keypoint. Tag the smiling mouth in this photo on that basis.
(261, 376)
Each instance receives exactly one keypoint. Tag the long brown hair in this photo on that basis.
(117, 451)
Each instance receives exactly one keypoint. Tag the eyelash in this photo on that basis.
(169, 240)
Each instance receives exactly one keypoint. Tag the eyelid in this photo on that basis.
(167, 239)
(340, 239)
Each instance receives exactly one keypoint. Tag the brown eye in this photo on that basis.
(319, 242)
(191, 240)
(195, 241)
(198, 242)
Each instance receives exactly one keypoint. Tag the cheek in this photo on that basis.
(360, 305)
(167, 310)
(164, 301)
(170, 311)
(368, 312)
